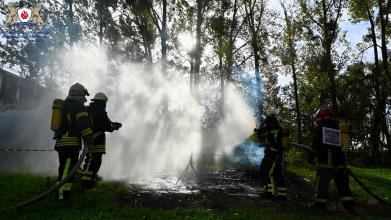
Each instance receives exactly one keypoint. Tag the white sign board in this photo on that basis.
(331, 136)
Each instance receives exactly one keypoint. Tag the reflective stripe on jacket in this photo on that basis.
(75, 125)
(100, 122)
(271, 131)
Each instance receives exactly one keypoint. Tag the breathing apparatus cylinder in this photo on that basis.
(58, 106)
(345, 137)
(285, 138)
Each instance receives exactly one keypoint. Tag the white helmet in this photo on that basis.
(100, 96)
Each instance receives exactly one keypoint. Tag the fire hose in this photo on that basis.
(59, 184)
(355, 178)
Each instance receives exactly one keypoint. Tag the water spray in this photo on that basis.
(153, 141)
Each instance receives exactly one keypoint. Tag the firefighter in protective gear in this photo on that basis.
(272, 164)
(99, 122)
(74, 128)
(331, 163)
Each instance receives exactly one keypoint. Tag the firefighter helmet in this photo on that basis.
(323, 113)
(270, 113)
(100, 96)
(78, 89)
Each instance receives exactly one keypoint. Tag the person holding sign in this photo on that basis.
(331, 160)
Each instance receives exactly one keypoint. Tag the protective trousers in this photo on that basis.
(90, 169)
(68, 158)
(341, 179)
(273, 175)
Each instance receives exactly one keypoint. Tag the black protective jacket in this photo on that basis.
(329, 156)
(75, 125)
(271, 133)
(99, 122)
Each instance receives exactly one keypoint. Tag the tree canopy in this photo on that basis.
(249, 43)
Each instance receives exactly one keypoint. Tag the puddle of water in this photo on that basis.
(165, 184)
(189, 184)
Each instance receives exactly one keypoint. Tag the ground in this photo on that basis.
(230, 189)
(228, 194)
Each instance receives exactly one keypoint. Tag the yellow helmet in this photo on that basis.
(78, 89)
(100, 96)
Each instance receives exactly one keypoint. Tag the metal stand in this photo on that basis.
(190, 164)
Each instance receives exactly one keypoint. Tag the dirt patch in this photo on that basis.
(157, 200)
(215, 190)
(232, 189)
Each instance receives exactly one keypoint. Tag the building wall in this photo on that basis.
(9, 87)
(19, 92)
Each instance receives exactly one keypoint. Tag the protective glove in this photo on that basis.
(116, 125)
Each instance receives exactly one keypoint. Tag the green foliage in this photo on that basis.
(359, 9)
(296, 157)
(356, 94)
(249, 34)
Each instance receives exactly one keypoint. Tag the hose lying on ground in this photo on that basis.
(366, 189)
(355, 178)
(58, 185)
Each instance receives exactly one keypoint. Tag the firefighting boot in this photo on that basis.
(265, 195)
(349, 206)
(63, 195)
(282, 198)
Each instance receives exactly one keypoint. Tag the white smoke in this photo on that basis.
(151, 140)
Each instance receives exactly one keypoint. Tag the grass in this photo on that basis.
(102, 204)
(378, 180)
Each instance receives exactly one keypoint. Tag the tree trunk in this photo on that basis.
(197, 58)
(71, 25)
(191, 73)
(222, 77)
(257, 81)
(254, 44)
(297, 104)
(164, 36)
(333, 89)
(383, 27)
(147, 48)
(101, 30)
(291, 38)
(328, 35)
(230, 59)
(375, 131)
